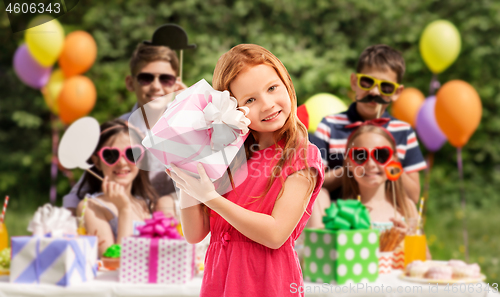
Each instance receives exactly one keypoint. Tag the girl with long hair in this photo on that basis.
(253, 227)
(370, 148)
(125, 198)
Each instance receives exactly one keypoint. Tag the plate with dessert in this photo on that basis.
(443, 272)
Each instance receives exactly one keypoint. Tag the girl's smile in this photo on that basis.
(371, 173)
(272, 117)
(121, 173)
(266, 97)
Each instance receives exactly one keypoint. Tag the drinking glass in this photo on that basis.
(415, 242)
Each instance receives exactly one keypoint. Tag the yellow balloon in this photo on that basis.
(321, 105)
(52, 90)
(45, 42)
(439, 45)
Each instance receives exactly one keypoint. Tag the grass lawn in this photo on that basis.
(445, 239)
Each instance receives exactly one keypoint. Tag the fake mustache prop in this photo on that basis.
(371, 98)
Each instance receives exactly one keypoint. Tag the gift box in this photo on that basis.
(346, 251)
(157, 255)
(201, 125)
(60, 261)
(56, 257)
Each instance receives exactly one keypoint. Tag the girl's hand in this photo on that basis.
(179, 86)
(116, 194)
(399, 224)
(201, 189)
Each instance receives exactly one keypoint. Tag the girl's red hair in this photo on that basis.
(293, 131)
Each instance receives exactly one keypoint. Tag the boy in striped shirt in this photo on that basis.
(376, 84)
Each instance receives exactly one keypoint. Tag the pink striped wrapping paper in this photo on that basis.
(201, 125)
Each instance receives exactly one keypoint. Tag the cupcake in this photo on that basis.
(466, 271)
(439, 272)
(456, 263)
(111, 258)
(416, 269)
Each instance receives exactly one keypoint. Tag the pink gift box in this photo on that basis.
(200, 126)
(156, 260)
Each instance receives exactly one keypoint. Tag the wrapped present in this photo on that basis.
(51, 255)
(201, 125)
(346, 251)
(157, 255)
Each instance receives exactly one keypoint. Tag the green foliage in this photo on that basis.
(445, 237)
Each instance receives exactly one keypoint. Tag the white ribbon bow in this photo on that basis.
(54, 220)
(224, 118)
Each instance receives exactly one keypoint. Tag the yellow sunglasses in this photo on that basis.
(386, 88)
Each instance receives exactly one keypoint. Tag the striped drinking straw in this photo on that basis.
(6, 201)
(421, 207)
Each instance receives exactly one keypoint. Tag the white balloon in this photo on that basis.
(78, 143)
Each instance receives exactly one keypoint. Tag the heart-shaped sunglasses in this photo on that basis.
(360, 155)
(111, 155)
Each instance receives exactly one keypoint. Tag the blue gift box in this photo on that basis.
(53, 260)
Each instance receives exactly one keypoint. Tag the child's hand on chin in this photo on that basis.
(399, 224)
(116, 194)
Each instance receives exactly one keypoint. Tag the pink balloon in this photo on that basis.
(28, 70)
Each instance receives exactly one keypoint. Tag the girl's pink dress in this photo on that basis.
(237, 266)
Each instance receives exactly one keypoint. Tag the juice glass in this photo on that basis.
(415, 242)
(4, 237)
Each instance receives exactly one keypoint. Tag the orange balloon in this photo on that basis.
(77, 98)
(78, 54)
(458, 111)
(407, 106)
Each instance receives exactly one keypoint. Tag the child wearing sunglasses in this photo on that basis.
(369, 149)
(125, 198)
(153, 73)
(376, 84)
(253, 227)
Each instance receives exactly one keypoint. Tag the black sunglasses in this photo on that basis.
(166, 80)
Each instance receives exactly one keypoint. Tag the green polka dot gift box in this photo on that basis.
(346, 251)
(339, 257)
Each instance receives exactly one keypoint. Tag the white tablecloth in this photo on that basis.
(106, 285)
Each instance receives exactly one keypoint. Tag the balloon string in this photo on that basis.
(427, 183)
(434, 85)
(53, 169)
(462, 194)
